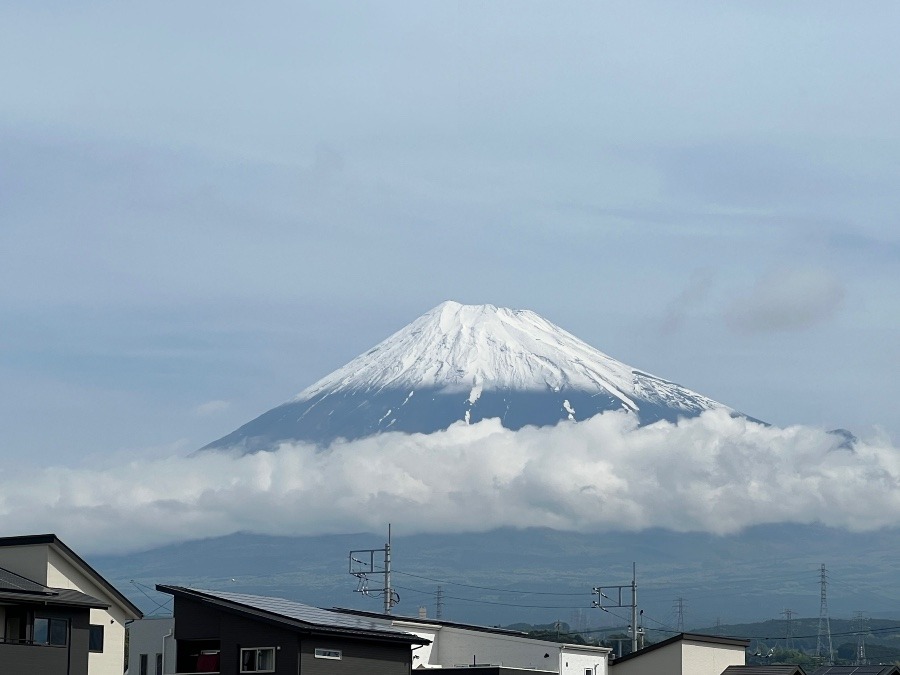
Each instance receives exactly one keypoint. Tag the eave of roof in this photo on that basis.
(59, 597)
(290, 622)
(53, 540)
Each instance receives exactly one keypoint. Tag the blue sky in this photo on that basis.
(206, 206)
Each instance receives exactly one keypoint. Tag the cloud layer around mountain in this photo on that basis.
(713, 473)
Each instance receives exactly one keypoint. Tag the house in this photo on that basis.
(218, 631)
(58, 614)
(483, 649)
(684, 654)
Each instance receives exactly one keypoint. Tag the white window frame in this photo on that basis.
(333, 654)
(257, 650)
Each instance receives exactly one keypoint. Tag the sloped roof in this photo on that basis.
(764, 670)
(857, 670)
(16, 588)
(10, 581)
(55, 542)
(295, 615)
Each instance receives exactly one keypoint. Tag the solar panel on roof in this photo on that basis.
(301, 612)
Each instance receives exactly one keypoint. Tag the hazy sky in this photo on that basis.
(206, 206)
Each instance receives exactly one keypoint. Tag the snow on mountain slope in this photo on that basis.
(466, 363)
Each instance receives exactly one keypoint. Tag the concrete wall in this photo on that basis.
(151, 636)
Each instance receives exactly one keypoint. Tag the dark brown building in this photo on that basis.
(234, 633)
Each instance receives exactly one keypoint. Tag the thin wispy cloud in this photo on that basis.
(713, 473)
(786, 300)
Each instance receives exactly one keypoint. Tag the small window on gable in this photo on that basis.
(258, 660)
(328, 654)
(588, 671)
(95, 638)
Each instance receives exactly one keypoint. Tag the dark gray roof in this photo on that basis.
(857, 670)
(10, 581)
(16, 588)
(296, 614)
(764, 670)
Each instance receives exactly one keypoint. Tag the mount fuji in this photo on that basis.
(465, 363)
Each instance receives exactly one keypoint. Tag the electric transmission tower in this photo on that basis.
(824, 650)
(439, 603)
(679, 614)
(861, 626)
(788, 629)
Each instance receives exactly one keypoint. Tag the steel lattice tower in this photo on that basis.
(788, 629)
(862, 627)
(824, 650)
(679, 614)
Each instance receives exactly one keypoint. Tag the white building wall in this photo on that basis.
(152, 636)
(458, 647)
(700, 659)
(663, 661)
(583, 660)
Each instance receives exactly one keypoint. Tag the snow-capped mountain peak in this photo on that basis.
(465, 363)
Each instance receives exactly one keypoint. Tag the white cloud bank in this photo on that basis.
(712, 473)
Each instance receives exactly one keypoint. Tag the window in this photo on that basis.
(258, 660)
(159, 664)
(328, 654)
(95, 638)
(143, 670)
(588, 671)
(51, 632)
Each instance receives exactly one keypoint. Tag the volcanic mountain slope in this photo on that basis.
(465, 363)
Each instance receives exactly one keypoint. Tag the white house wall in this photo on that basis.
(698, 659)
(662, 661)
(578, 660)
(151, 637)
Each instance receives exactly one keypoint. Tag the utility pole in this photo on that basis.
(617, 601)
(824, 650)
(362, 564)
(788, 629)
